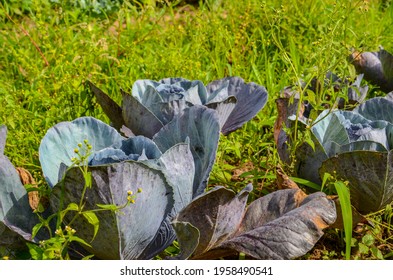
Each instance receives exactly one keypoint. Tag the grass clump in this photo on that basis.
(48, 50)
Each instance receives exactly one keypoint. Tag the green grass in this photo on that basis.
(48, 50)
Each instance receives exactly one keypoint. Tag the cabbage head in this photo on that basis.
(157, 102)
(355, 146)
(163, 167)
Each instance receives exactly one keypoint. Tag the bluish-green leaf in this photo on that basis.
(377, 108)
(329, 128)
(201, 126)
(16, 217)
(141, 145)
(177, 165)
(57, 146)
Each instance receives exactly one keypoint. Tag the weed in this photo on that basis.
(59, 243)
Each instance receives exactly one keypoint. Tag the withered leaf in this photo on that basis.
(27, 179)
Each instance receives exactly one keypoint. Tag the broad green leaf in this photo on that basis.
(35, 251)
(70, 207)
(92, 218)
(110, 207)
(79, 240)
(36, 229)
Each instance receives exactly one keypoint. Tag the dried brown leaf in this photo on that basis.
(283, 181)
(27, 179)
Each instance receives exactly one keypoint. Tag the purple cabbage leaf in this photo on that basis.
(284, 224)
(157, 102)
(17, 219)
(356, 147)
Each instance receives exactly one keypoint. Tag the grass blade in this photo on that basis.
(346, 211)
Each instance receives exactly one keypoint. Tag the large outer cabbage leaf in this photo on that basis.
(57, 146)
(281, 225)
(16, 217)
(370, 177)
(251, 98)
(377, 108)
(178, 167)
(201, 126)
(124, 234)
